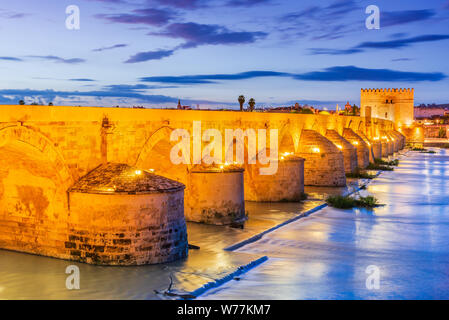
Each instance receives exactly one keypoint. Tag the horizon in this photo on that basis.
(154, 52)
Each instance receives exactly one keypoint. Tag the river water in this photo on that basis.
(326, 255)
(319, 257)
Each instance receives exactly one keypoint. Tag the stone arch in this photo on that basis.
(34, 180)
(287, 142)
(361, 126)
(40, 143)
(155, 155)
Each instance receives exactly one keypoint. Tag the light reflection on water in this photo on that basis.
(25, 276)
(408, 239)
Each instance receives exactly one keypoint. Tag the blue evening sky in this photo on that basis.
(154, 52)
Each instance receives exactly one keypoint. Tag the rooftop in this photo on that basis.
(112, 178)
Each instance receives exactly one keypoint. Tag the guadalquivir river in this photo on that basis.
(323, 256)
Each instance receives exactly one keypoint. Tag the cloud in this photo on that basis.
(59, 59)
(150, 55)
(403, 17)
(12, 14)
(121, 45)
(181, 4)
(336, 52)
(82, 80)
(50, 95)
(246, 3)
(400, 43)
(10, 59)
(352, 73)
(401, 59)
(202, 34)
(148, 16)
(201, 79)
(338, 73)
(392, 44)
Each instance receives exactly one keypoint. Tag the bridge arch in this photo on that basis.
(155, 155)
(34, 180)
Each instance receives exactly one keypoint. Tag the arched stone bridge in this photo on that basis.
(45, 151)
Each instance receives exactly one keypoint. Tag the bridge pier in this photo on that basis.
(287, 184)
(349, 151)
(369, 144)
(215, 195)
(324, 164)
(362, 148)
(120, 215)
(389, 147)
(401, 139)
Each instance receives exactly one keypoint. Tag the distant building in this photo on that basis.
(429, 111)
(181, 107)
(390, 104)
(348, 107)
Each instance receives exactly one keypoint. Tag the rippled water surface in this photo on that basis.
(25, 276)
(325, 255)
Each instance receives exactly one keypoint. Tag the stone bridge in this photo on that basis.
(97, 184)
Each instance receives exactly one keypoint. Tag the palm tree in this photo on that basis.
(241, 102)
(251, 104)
(21, 102)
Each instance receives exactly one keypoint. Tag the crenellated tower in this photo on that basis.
(396, 105)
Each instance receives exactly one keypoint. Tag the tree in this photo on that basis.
(241, 102)
(51, 104)
(251, 104)
(21, 102)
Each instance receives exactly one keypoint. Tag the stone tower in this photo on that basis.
(391, 104)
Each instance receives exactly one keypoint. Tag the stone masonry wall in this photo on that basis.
(349, 151)
(324, 164)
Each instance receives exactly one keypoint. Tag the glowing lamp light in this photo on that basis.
(316, 150)
(376, 138)
(221, 167)
(356, 143)
(151, 170)
(282, 158)
(369, 144)
(339, 147)
(138, 172)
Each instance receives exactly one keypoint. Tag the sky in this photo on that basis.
(208, 52)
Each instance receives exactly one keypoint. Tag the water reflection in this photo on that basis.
(407, 239)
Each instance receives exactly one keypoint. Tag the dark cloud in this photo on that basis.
(321, 22)
(59, 59)
(351, 73)
(202, 34)
(82, 80)
(121, 45)
(403, 17)
(392, 44)
(10, 59)
(401, 59)
(181, 4)
(211, 78)
(246, 3)
(150, 55)
(399, 43)
(336, 52)
(338, 73)
(148, 16)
